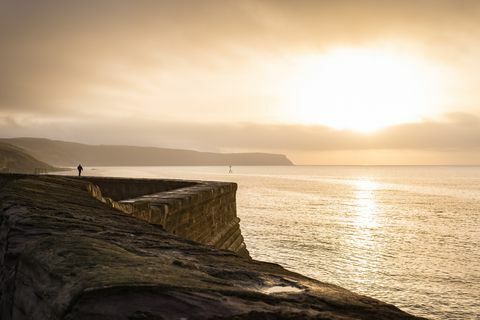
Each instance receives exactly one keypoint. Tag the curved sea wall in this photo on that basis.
(68, 252)
(201, 211)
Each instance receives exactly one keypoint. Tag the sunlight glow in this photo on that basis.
(363, 89)
(365, 203)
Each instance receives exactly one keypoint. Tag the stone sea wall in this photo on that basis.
(67, 252)
(200, 211)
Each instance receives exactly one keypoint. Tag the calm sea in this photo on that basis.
(405, 235)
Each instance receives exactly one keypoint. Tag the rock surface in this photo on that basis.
(66, 255)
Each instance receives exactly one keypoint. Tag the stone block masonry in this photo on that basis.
(201, 211)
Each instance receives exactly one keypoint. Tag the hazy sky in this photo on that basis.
(325, 82)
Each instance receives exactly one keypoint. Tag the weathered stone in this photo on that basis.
(66, 255)
(202, 211)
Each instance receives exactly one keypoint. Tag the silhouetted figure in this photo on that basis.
(230, 169)
(80, 169)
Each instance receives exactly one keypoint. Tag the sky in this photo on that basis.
(324, 82)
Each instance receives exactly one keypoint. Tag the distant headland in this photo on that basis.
(63, 153)
(14, 159)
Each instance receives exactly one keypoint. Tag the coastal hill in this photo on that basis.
(62, 153)
(14, 159)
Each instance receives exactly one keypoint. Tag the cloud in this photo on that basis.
(56, 53)
(198, 74)
(457, 131)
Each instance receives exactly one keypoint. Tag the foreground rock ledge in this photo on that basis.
(67, 255)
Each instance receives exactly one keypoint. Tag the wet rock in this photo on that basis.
(66, 255)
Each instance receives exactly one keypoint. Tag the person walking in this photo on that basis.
(80, 169)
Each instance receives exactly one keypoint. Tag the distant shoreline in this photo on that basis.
(63, 153)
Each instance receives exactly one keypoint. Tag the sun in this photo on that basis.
(362, 89)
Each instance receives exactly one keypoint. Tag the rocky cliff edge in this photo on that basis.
(66, 255)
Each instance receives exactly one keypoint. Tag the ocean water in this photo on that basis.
(405, 235)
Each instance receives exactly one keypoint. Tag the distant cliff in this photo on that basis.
(63, 153)
(14, 159)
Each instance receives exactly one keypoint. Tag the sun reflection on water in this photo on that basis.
(365, 203)
(362, 240)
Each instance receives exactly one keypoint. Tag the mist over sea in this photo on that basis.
(407, 235)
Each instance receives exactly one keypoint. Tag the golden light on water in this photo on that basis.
(364, 89)
(365, 203)
(362, 238)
